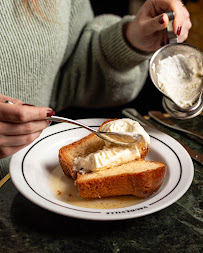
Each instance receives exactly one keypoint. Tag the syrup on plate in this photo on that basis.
(64, 189)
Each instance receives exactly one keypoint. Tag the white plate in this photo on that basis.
(30, 171)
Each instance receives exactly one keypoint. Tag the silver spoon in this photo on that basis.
(128, 138)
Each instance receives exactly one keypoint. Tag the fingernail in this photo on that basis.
(28, 104)
(161, 20)
(179, 30)
(162, 43)
(50, 113)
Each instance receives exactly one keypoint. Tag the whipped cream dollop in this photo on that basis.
(180, 78)
(123, 126)
(112, 154)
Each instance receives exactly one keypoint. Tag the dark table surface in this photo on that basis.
(25, 227)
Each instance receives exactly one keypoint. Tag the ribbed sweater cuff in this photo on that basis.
(116, 50)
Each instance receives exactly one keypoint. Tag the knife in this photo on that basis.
(159, 117)
(133, 114)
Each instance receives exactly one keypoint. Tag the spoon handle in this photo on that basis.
(67, 120)
(171, 35)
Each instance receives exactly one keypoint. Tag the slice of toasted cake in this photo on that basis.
(90, 150)
(101, 169)
(140, 178)
(91, 153)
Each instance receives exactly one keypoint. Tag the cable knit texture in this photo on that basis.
(69, 59)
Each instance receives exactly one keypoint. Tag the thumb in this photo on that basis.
(158, 23)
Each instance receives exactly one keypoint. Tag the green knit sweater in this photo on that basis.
(71, 58)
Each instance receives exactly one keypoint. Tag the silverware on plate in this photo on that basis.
(134, 114)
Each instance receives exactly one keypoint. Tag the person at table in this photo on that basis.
(56, 54)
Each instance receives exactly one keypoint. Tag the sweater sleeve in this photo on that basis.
(103, 69)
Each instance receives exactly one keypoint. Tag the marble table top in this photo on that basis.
(25, 227)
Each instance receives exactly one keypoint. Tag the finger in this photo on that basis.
(7, 128)
(18, 140)
(156, 24)
(183, 37)
(3, 99)
(18, 113)
(8, 151)
(181, 16)
(184, 31)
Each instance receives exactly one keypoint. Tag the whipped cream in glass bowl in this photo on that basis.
(179, 77)
(177, 71)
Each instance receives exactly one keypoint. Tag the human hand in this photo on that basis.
(147, 32)
(20, 124)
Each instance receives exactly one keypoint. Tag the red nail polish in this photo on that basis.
(28, 104)
(179, 30)
(50, 113)
(161, 20)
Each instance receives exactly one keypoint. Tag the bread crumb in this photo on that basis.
(59, 192)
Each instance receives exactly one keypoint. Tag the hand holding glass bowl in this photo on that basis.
(176, 70)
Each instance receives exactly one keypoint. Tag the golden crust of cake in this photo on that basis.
(140, 178)
(80, 148)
